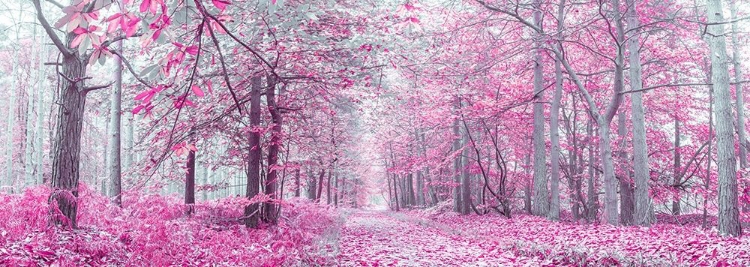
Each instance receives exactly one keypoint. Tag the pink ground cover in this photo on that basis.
(153, 230)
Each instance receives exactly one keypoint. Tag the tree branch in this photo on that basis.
(224, 67)
(96, 87)
(130, 68)
(49, 30)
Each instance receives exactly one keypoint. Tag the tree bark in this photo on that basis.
(328, 186)
(592, 192)
(729, 223)
(541, 196)
(252, 211)
(190, 183)
(320, 185)
(627, 203)
(297, 183)
(114, 163)
(738, 86)
(457, 161)
(270, 209)
(677, 169)
(554, 128)
(640, 149)
(465, 177)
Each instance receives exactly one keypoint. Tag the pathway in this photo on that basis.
(382, 238)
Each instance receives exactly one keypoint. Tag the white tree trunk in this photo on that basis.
(541, 196)
(114, 164)
(729, 223)
(738, 86)
(32, 96)
(638, 118)
(9, 180)
(40, 110)
(554, 129)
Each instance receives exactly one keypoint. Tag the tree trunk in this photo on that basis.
(40, 111)
(395, 192)
(527, 186)
(253, 169)
(336, 190)
(328, 186)
(729, 223)
(627, 203)
(707, 182)
(465, 177)
(677, 169)
(320, 185)
(554, 128)
(190, 183)
(592, 192)
(114, 164)
(67, 148)
(297, 183)
(738, 86)
(541, 196)
(640, 149)
(270, 208)
(457, 161)
(9, 133)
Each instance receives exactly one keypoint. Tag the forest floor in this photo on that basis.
(383, 238)
(422, 238)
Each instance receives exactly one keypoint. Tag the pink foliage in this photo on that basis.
(153, 230)
(598, 245)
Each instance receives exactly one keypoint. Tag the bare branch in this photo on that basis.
(96, 87)
(130, 68)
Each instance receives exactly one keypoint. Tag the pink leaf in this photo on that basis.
(222, 4)
(197, 91)
(145, 5)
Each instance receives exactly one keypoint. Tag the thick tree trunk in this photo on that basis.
(252, 211)
(114, 163)
(640, 149)
(729, 223)
(271, 209)
(554, 129)
(610, 182)
(627, 203)
(541, 196)
(67, 148)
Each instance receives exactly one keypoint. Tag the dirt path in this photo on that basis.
(381, 238)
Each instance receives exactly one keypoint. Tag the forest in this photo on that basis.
(374, 132)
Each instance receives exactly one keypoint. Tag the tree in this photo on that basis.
(252, 211)
(729, 223)
(640, 153)
(541, 196)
